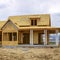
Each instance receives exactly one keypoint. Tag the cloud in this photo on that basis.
(30, 6)
(20, 7)
(55, 19)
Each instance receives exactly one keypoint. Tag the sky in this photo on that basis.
(26, 7)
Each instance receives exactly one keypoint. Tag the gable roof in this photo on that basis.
(17, 21)
(2, 23)
(7, 22)
(24, 19)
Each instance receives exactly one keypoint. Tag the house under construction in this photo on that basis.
(28, 30)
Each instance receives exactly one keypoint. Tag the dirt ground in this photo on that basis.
(29, 53)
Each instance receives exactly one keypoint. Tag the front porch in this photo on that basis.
(40, 37)
(31, 37)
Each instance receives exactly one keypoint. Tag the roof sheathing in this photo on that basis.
(20, 20)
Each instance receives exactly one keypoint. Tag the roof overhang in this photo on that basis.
(39, 28)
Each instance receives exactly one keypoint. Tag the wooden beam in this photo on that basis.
(31, 37)
(46, 37)
(17, 36)
(57, 38)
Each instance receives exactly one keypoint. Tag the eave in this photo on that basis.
(39, 28)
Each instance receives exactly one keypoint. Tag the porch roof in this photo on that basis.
(39, 28)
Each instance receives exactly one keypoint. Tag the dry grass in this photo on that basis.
(30, 54)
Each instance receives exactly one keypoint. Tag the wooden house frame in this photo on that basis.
(28, 30)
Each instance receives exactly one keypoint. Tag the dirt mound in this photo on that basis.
(30, 54)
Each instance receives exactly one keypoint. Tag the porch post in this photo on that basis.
(17, 38)
(12, 37)
(7, 37)
(46, 37)
(57, 38)
(31, 37)
(2, 37)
